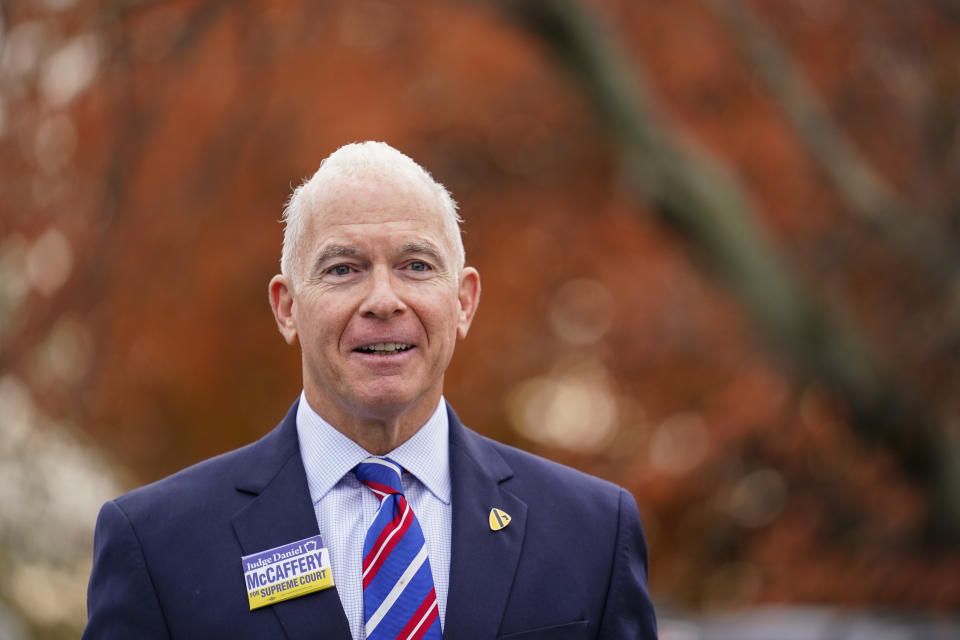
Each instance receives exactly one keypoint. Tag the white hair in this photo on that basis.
(361, 160)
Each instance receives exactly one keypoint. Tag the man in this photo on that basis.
(498, 543)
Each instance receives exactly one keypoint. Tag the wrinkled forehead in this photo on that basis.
(344, 195)
(376, 198)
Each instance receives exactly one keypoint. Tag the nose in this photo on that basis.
(381, 300)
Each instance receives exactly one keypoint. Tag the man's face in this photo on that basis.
(377, 302)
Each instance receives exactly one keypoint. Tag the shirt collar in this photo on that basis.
(328, 454)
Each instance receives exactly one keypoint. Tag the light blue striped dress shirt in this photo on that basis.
(345, 508)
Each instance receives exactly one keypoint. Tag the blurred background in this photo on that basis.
(719, 249)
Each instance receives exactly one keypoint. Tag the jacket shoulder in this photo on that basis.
(546, 479)
(214, 485)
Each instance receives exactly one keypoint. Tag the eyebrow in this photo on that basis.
(425, 248)
(331, 252)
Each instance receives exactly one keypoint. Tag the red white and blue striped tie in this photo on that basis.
(399, 601)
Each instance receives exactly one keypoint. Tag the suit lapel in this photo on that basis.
(483, 562)
(281, 512)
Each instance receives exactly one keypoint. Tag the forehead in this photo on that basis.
(363, 204)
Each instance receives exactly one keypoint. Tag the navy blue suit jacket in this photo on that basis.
(572, 563)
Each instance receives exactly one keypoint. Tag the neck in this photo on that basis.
(378, 430)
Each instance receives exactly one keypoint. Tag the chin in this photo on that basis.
(391, 401)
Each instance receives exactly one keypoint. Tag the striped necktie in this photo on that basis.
(399, 602)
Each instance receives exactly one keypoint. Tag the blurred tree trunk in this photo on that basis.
(705, 205)
(864, 193)
(949, 8)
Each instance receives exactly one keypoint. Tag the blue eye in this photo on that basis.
(419, 266)
(340, 270)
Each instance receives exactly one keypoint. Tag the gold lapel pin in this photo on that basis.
(498, 519)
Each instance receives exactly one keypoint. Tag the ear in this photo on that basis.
(469, 296)
(281, 301)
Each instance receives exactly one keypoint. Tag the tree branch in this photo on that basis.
(709, 210)
(865, 193)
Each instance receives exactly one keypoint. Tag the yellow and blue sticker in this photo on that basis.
(288, 571)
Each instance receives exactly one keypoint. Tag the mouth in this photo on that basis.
(384, 348)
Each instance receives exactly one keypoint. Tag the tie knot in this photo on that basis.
(381, 475)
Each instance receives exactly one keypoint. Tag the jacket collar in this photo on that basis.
(483, 562)
(281, 512)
